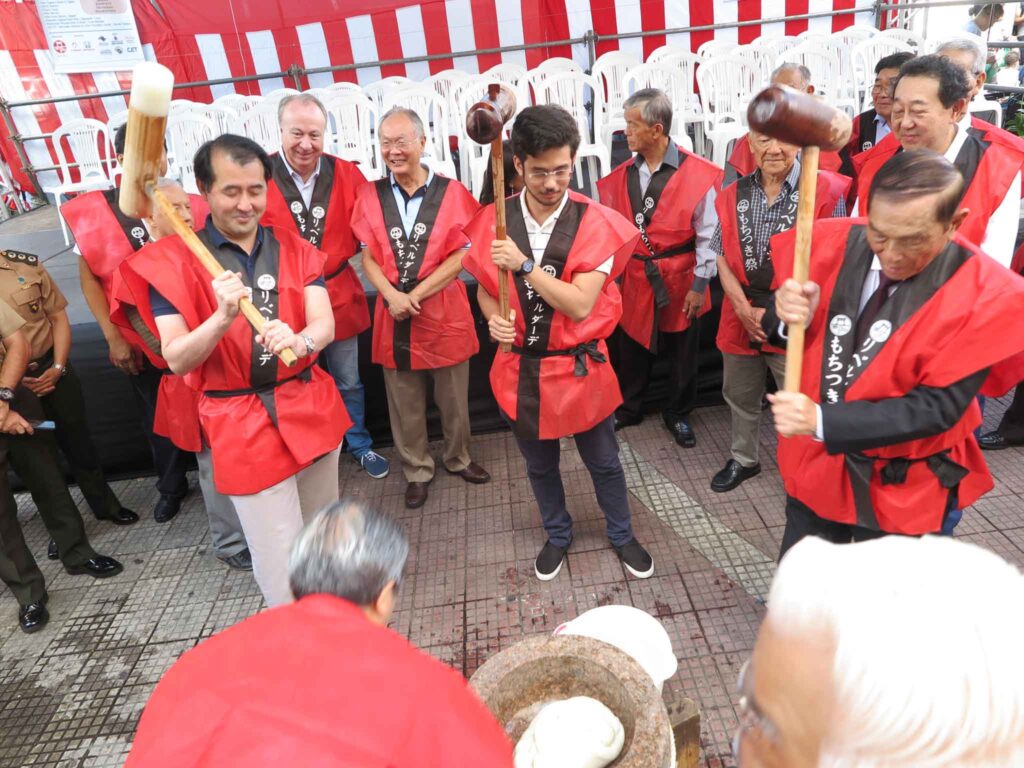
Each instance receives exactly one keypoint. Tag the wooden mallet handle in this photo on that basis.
(798, 118)
(207, 259)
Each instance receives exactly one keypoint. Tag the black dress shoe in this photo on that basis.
(100, 567)
(33, 617)
(240, 562)
(682, 432)
(416, 495)
(993, 441)
(51, 551)
(166, 508)
(123, 516)
(731, 475)
(622, 423)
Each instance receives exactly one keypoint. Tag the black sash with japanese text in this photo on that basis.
(843, 361)
(757, 264)
(868, 130)
(537, 313)
(134, 230)
(408, 250)
(309, 221)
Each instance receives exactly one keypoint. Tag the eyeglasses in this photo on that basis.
(401, 145)
(560, 174)
(750, 716)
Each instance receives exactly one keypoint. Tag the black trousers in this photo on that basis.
(633, 363)
(18, 569)
(65, 406)
(1012, 425)
(599, 450)
(170, 461)
(802, 522)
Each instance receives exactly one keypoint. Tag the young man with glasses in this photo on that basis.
(564, 252)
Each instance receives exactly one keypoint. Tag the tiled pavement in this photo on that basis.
(72, 694)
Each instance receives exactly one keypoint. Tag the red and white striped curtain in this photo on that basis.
(213, 39)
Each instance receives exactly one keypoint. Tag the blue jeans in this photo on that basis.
(342, 358)
(951, 521)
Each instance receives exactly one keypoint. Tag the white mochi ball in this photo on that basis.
(580, 732)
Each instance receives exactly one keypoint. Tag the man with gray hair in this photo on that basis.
(423, 331)
(852, 666)
(321, 681)
(741, 161)
(669, 194)
(312, 194)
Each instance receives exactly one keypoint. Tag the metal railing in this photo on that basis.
(590, 39)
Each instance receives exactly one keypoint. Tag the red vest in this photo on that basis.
(334, 195)
(546, 391)
(742, 159)
(732, 336)
(443, 333)
(670, 225)
(955, 331)
(988, 170)
(252, 449)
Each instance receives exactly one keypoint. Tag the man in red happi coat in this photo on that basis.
(564, 251)
(274, 431)
(906, 324)
(423, 332)
(313, 193)
(669, 194)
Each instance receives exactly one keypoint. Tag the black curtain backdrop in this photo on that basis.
(114, 416)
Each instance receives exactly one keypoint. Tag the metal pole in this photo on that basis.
(12, 131)
(591, 48)
(295, 71)
(898, 6)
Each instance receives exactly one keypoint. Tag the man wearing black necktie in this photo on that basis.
(905, 327)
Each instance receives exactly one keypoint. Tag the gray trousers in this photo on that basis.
(743, 378)
(225, 529)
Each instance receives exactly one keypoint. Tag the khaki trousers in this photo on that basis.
(743, 378)
(273, 518)
(407, 407)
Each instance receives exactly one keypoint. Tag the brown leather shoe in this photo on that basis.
(473, 473)
(416, 495)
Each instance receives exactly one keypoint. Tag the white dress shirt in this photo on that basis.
(305, 187)
(882, 129)
(539, 234)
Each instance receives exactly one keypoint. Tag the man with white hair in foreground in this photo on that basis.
(851, 668)
(321, 681)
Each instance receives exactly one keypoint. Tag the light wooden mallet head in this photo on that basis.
(486, 119)
(148, 106)
(799, 118)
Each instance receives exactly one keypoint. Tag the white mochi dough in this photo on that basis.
(580, 732)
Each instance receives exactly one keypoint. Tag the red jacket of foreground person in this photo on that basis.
(314, 684)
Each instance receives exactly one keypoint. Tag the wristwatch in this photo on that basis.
(310, 344)
(60, 368)
(526, 268)
(6, 394)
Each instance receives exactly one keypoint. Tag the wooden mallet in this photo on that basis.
(485, 123)
(799, 118)
(148, 106)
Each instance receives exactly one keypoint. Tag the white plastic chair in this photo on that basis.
(912, 39)
(8, 190)
(847, 94)
(378, 92)
(765, 51)
(610, 71)
(90, 147)
(715, 48)
(422, 99)
(826, 71)
(447, 85)
(260, 124)
(187, 131)
(855, 34)
(344, 87)
(723, 141)
(665, 50)
(513, 76)
(473, 156)
(675, 79)
(223, 118)
(548, 68)
(989, 111)
(865, 55)
(274, 97)
(726, 85)
(351, 121)
(570, 90)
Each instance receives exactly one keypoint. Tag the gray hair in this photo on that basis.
(971, 44)
(894, 608)
(790, 66)
(166, 182)
(414, 118)
(348, 550)
(299, 98)
(1012, 57)
(654, 107)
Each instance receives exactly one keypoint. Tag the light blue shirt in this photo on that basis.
(409, 207)
(882, 128)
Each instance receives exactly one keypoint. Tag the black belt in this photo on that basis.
(344, 265)
(42, 362)
(653, 274)
(581, 352)
(305, 375)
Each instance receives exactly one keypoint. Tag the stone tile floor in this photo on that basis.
(71, 695)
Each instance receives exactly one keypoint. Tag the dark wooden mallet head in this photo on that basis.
(486, 119)
(799, 118)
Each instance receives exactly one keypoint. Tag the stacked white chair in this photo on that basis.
(260, 125)
(351, 122)
(610, 71)
(571, 90)
(473, 156)
(865, 55)
(715, 48)
(378, 92)
(90, 146)
(187, 131)
(224, 118)
(686, 106)
(513, 76)
(855, 34)
(666, 50)
(345, 87)
(726, 85)
(825, 69)
(274, 97)
(556, 65)
(847, 95)
(907, 36)
(422, 99)
(766, 51)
